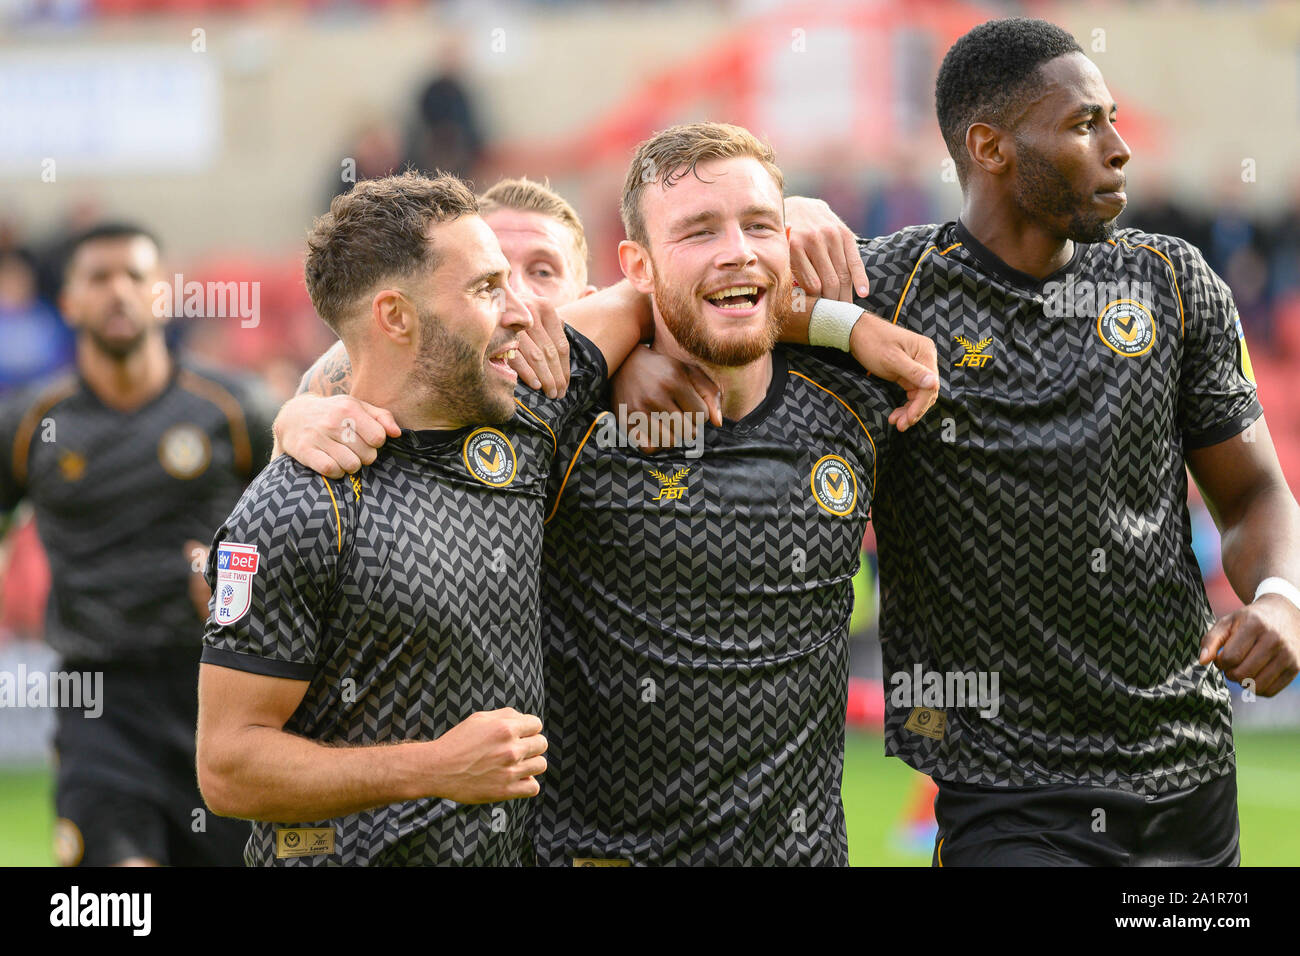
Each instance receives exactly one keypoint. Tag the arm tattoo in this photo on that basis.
(331, 375)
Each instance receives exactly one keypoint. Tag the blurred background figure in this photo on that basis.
(447, 135)
(129, 465)
(36, 341)
(376, 151)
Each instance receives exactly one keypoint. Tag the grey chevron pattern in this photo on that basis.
(421, 611)
(696, 647)
(1034, 524)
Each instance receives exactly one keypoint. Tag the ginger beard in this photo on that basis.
(683, 314)
(453, 376)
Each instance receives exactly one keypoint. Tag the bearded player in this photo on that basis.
(128, 463)
(371, 675)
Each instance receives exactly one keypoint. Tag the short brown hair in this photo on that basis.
(528, 195)
(673, 153)
(377, 230)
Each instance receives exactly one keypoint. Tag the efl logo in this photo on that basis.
(233, 595)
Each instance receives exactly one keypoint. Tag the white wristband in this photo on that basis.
(1279, 586)
(831, 323)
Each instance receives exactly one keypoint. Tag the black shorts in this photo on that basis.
(125, 784)
(1086, 826)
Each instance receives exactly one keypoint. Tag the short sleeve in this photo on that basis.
(273, 568)
(1216, 391)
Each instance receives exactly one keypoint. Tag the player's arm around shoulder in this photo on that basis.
(324, 427)
(838, 305)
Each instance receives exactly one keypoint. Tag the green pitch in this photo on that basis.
(876, 790)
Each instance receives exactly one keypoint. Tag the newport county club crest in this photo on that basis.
(233, 595)
(834, 485)
(490, 457)
(184, 451)
(1127, 327)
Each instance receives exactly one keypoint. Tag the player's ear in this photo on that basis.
(635, 263)
(395, 316)
(587, 291)
(988, 148)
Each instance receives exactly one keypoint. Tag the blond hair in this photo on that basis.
(528, 195)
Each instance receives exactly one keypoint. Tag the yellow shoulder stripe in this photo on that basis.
(559, 494)
(47, 399)
(870, 440)
(555, 447)
(1173, 277)
(898, 309)
(209, 390)
(338, 522)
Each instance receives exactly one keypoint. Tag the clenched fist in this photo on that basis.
(489, 756)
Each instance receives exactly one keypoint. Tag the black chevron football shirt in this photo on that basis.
(117, 494)
(1033, 528)
(696, 622)
(406, 595)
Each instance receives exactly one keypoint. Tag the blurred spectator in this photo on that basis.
(36, 342)
(1155, 211)
(1284, 250)
(447, 135)
(376, 152)
(901, 200)
(1231, 231)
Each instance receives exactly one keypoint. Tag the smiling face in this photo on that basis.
(542, 253)
(1069, 170)
(108, 293)
(719, 259)
(470, 321)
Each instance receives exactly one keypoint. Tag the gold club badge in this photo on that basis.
(490, 457)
